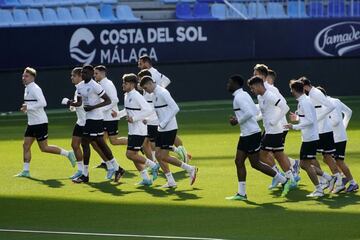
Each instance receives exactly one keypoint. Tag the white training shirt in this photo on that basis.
(152, 120)
(245, 111)
(111, 91)
(80, 112)
(137, 108)
(35, 103)
(166, 109)
(91, 94)
(276, 91)
(336, 119)
(273, 109)
(307, 120)
(159, 78)
(323, 107)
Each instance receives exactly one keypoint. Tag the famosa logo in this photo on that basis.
(338, 39)
(81, 34)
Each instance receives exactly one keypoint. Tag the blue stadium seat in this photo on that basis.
(95, 2)
(109, 1)
(257, 10)
(26, 3)
(353, 10)
(34, 16)
(183, 11)
(218, 11)
(20, 17)
(6, 18)
(64, 15)
(316, 9)
(275, 10)
(296, 9)
(336, 8)
(11, 3)
(78, 14)
(50, 16)
(241, 8)
(93, 14)
(202, 11)
(106, 12)
(170, 1)
(124, 13)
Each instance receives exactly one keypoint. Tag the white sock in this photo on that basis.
(153, 155)
(275, 168)
(280, 178)
(326, 176)
(338, 179)
(103, 161)
(242, 188)
(114, 164)
(86, 170)
(292, 161)
(174, 149)
(144, 175)
(187, 167)
(109, 165)
(318, 188)
(170, 178)
(80, 166)
(64, 152)
(289, 175)
(150, 163)
(26, 166)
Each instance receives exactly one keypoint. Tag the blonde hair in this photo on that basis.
(31, 71)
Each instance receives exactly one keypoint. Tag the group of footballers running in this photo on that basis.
(148, 108)
(318, 117)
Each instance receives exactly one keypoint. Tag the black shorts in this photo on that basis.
(135, 142)
(250, 144)
(285, 132)
(272, 142)
(165, 140)
(78, 131)
(152, 132)
(308, 150)
(326, 143)
(111, 127)
(38, 131)
(93, 128)
(340, 150)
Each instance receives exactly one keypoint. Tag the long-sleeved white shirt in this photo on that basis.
(336, 119)
(91, 94)
(245, 111)
(111, 91)
(273, 109)
(307, 120)
(80, 112)
(159, 78)
(152, 119)
(137, 108)
(323, 107)
(35, 103)
(166, 109)
(276, 91)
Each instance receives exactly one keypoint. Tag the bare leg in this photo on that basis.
(115, 140)
(148, 149)
(240, 165)
(329, 160)
(258, 165)
(178, 141)
(44, 147)
(345, 169)
(98, 150)
(310, 170)
(28, 141)
(75, 144)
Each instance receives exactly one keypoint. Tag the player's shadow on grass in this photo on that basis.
(182, 195)
(338, 201)
(52, 183)
(214, 157)
(108, 187)
(128, 173)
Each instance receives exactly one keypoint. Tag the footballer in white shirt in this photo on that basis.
(250, 137)
(37, 127)
(160, 79)
(166, 110)
(273, 109)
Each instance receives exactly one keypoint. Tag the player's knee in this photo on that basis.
(239, 163)
(26, 146)
(130, 154)
(158, 156)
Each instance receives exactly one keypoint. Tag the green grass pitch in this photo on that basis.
(51, 202)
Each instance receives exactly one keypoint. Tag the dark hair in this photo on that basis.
(77, 70)
(130, 78)
(322, 90)
(255, 80)
(305, 81)
(272, 74)
(88, 67)
(145, 58)
(237, 79)
(145, 80)
(297, 86)
(262, 69)
(144, 73)
(100, 68)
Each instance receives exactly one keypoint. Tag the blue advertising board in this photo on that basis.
(177, 41)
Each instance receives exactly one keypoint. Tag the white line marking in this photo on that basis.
(105, 234)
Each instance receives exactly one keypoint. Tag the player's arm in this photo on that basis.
(326, 104)
(40, 100)
(106, 101)
(246, 109)
(111, 91)
(259, 116)
(164, 81)
(174, 109)
(347, 113)
(284, 108)
(306, 119)
(145, 109)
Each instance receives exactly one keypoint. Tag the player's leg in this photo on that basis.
(76, 146)
(241, 175)
(28, 141)
(180, 150)
(147, 149)
(101, 154)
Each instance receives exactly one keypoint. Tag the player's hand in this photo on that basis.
(88, 108)
(114, 114)
(288, 126)
(233, 121)
(130, 119)
(293, 117)
(23, 108)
